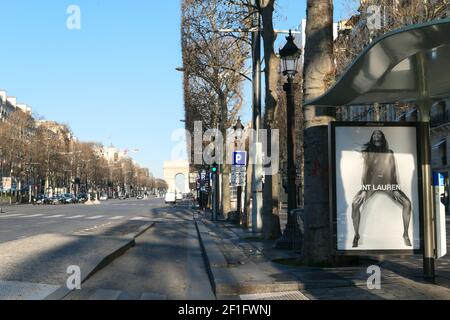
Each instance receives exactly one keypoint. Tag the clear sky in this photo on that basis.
(112, 81)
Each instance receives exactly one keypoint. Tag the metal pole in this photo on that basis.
(424, 106)
(239, 201)
(428, 204)
(292, 199)
(256, 110)
(215, 196)
(291, 235)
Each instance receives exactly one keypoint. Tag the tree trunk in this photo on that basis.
(319, 66)
(225, 198)
(271, 220)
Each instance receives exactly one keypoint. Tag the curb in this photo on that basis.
(221, 282)
(63, 291)
(140, 230)
(206, 260)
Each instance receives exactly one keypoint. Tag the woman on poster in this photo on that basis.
(380, 175)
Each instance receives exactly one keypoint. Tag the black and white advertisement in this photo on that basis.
(376, 188)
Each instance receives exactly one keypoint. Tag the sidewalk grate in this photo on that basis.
(289, 295)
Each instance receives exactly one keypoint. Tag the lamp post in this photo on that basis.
(290, 54)
(238, 129)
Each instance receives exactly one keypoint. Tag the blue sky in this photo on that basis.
(114, 80)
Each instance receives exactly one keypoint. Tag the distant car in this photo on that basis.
(55, 200)
(41, 199)
(170, 198)
(122, 196)
(179, 196)
(140, 197)
(70, 198)
(81, 198)
(103, 197)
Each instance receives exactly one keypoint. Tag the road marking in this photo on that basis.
(34, 215)
(140, 219)
(116, 218)
(12, 215)
(55, 216)
(94, 217)
(76, 217)
(49, 222)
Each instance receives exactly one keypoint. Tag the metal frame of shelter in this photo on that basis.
(409, 65)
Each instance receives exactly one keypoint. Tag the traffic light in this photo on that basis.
(215, 168)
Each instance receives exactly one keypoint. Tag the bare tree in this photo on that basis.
(214, 66)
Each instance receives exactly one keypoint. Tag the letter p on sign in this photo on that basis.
(240, 158)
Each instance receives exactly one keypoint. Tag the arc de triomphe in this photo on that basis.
(171, 170)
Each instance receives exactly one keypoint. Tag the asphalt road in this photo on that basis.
(165, 263)
(20, 222)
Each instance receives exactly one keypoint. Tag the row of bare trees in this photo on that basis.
(44, 157)
(216, 45)
(214, 70)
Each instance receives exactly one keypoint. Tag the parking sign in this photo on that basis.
(239, 158)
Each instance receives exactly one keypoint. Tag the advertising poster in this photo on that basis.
(376, 188)
(7, 183)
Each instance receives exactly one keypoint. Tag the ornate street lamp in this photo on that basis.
(290, 55)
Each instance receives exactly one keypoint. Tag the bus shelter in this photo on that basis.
(409, 65)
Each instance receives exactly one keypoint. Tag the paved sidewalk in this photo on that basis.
(165, 264)
(241, 266)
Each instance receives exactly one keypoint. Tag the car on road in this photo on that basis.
(103, 197)
(179, 196)
(41, 199)
(55, 200)
(69, 198)
(140, 197)
(81, 198)
(170, 198)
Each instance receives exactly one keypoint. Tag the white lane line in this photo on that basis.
(76, 217)
(94, 217)
(140, 219)
(55, 216)
(116, 218)
(49, 222)
(34, 215)
(12, 215)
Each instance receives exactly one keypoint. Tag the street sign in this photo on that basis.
(238, 174)
(239, 158)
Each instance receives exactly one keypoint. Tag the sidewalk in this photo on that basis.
(241, 266)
